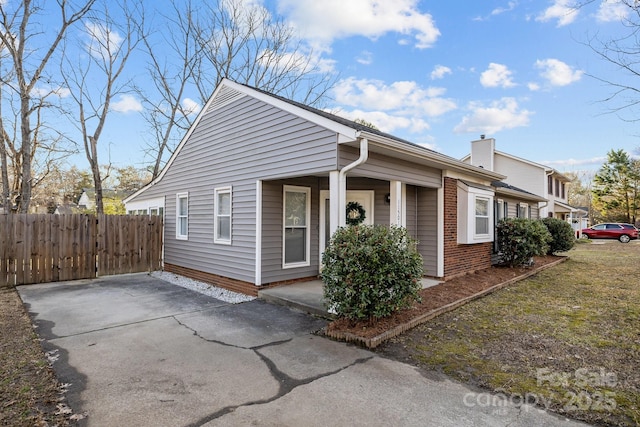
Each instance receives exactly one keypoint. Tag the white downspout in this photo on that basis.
(342, 188)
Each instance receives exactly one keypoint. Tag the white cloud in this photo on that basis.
(557, 73)
(365, 58)
(103, 42)
(387, 122)
(126, 104)
(533, 86)
(497, 75)
(301, 60)
(402, 105)
(190, 106)
(439, 72)
(406, 97)
(45, 91)
(576, 162)
(499, 115)
(321, 22)
(564, 11)
(612, 10)
(498, 11)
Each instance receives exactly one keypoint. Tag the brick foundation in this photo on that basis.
(234, 285)
(460, 259)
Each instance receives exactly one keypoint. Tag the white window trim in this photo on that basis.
(524, 206)
(467, 214)
(178, 197)
(489, 202)
(500, 213)
(216, 193)
(307, 191)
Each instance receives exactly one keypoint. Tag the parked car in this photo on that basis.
(612, 230)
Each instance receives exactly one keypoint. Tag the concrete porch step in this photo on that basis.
(308, 296)
(304, 296)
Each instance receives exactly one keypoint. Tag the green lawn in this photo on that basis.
(567, 338)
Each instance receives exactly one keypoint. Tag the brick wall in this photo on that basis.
(460, 259)
(226, 282)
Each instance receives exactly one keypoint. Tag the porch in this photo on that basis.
(308, 297)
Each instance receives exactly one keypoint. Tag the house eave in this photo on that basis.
(427, 157)
(520, 195)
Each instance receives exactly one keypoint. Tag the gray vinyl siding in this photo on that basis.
(272, 228)
(427, 206)
(412, 211)
(512, 207)
(383, 167)
(235, 145)
(382, 210)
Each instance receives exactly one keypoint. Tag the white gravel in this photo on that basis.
(204, 288)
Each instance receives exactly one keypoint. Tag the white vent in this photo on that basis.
(225, 96)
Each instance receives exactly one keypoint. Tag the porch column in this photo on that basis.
(258, 254)
(398, 214)
(334, 202)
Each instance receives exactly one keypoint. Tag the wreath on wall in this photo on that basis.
(355, 213)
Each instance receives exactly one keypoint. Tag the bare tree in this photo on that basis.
(98, 76)
(209, 41)
(171, 64)
(30, 48)
(623, 52)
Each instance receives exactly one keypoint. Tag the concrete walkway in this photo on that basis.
(141, 352)
(308, 296)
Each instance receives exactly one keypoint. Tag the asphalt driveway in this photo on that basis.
(136, 350)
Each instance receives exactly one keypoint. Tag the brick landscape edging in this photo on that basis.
(373, 342)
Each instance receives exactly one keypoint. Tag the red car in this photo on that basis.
(615, 230)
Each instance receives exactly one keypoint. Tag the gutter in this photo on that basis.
(342, 188)
(433, 156)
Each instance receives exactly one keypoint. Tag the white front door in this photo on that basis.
(364, 197)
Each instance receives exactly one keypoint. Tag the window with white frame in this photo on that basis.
(482, 216)
(222, 215)
(475, 213)
(296, 231)
(500, 210)
(523, 210)
(182, 216)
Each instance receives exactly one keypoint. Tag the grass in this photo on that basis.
(568, 338)
(30, 394)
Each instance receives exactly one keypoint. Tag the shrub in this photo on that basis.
(520, 239)
(371, 271)
(562, 235)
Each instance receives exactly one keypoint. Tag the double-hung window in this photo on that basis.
(523, 210)
(222, 215)
(182, 216)
(482, 216)
(296, 232)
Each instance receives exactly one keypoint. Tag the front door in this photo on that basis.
(364, 197)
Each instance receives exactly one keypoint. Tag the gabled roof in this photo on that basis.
(347, 131)
(511, 190)
(547, 169)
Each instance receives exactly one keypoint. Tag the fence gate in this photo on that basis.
(36, 248)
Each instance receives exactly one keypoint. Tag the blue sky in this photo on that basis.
(441, 74)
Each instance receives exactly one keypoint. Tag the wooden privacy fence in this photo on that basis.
(37, 248)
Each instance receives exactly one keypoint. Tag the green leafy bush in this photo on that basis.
(520, 239)
(371, 271)
(562, 235)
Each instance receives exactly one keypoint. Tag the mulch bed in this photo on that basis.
(434, 301)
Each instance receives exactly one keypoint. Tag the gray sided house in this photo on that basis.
(259, 183)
